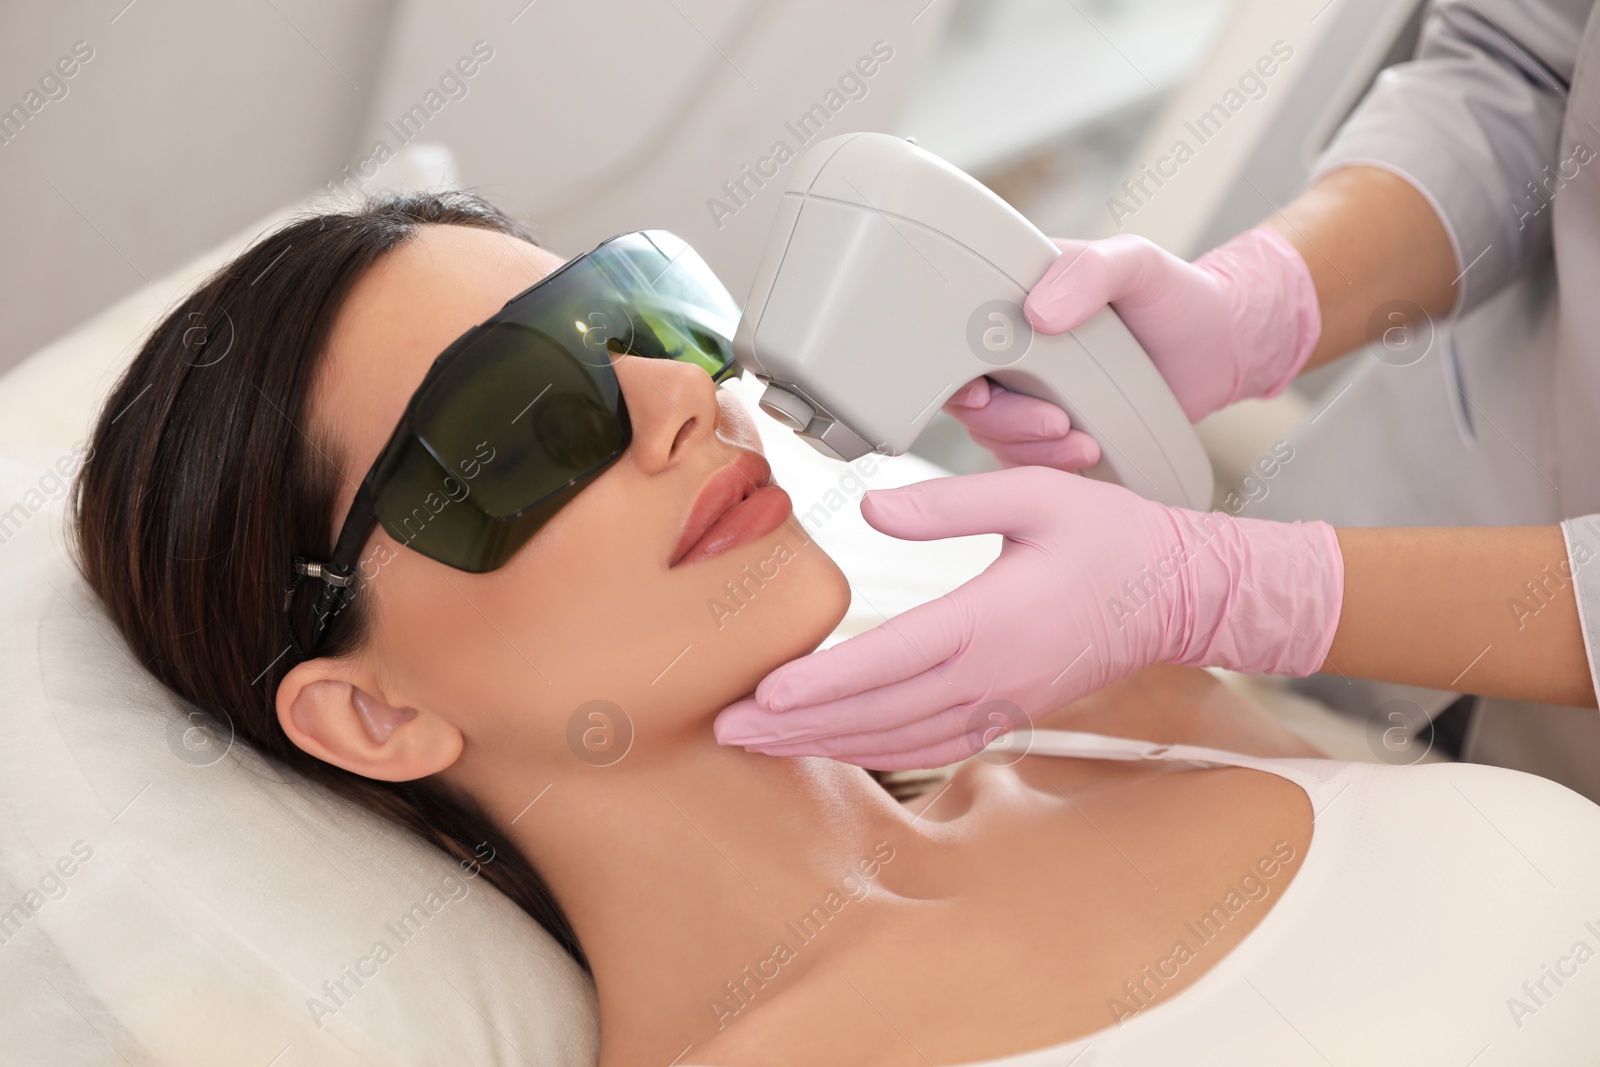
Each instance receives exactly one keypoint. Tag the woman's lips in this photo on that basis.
(738, 504)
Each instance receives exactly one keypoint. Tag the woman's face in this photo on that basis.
(591, 609)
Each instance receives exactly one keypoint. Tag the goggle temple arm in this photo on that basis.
(338, 574)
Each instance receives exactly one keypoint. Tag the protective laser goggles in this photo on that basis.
(523, 410)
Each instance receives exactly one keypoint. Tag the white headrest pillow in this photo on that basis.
(182, 899)
(177, 898)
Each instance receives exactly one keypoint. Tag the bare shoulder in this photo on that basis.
(1072, 894)
(1165, 705)
(1181, 706)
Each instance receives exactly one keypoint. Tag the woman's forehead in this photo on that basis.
(400, 314)
(419, 297)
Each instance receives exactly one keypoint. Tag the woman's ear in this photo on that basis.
(340, 722)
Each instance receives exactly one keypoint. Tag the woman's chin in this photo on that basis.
(826, 595)
(786, 618)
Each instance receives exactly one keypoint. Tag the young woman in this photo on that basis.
(440, 521)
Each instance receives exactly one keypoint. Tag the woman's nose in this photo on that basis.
(669, 403)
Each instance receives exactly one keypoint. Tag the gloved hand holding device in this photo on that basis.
(1093, 582)
(1238, 322)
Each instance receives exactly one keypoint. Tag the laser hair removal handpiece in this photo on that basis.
(892, 279)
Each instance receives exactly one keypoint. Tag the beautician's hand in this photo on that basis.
(1021, 430)
(1238, 322)
(1093, 582)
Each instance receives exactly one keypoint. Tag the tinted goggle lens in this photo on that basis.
(528, 410)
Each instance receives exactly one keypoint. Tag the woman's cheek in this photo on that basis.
(788, 596)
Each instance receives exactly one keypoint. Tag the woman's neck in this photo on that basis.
(703, 882)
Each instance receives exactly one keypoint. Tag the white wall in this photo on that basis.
(591, 117)
(190, 120)
(594, 118)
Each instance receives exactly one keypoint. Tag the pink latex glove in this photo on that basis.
(1021, 430)
(1238, 322)
(1093, 582)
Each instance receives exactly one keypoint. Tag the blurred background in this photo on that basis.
(183, 122)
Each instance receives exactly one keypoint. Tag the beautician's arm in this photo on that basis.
(1438, 608)
(1368, 238)
(1478, 111)
(1429, 607)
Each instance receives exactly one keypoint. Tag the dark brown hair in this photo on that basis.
(206, 480)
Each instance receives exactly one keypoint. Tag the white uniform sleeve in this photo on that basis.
(1471, 121)
(1584, 559)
